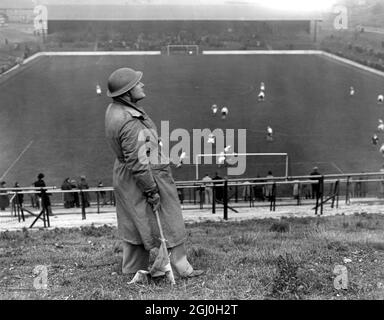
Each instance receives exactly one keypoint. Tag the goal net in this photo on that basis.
(242, 165)
(185, 49)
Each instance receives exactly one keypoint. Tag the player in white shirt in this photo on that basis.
(224, 112)
(382, 149)
(375, 139)
(211, 138)
(227, 148)
(380, 127)
(351, 91)
(182, 156)
(214, 108)
(98, 90)
(221, 158)
(262, 86)
(261, 96)
(269, 133)
(380, 98)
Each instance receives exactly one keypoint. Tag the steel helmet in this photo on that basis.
(122, 80)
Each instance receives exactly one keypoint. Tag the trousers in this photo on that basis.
(136, 258)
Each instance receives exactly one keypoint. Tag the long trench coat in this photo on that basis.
(141, 167)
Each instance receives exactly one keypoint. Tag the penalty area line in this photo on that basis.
(16, 160)
(337, 168)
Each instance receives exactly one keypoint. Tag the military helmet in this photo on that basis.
(122, 80)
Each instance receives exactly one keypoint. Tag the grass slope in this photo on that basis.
(265, 259)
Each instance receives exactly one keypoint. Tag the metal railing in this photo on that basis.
(220, 192)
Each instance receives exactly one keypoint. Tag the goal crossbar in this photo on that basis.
(169, 46)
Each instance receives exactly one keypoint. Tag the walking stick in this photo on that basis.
(162, 262)
(161, 265)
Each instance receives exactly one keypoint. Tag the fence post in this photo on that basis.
(201, 196)
(83, 216)
(337, 194)
(298, 193)
(225, 199)
(213, 198)
(98, 201)
(321, 190)
(347, 200)
(236, 193)
(272, 205)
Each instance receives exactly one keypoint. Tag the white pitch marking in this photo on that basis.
(17, 159)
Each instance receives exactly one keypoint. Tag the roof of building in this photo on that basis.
(240, 12)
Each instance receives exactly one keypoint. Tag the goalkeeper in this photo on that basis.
(142, 179)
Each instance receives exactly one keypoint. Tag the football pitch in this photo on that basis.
(52, 120)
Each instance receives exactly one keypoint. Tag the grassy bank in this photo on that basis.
(257, 259)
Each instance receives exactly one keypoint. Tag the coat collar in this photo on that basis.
(132, 108)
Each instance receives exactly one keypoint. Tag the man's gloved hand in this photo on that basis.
(154, 200)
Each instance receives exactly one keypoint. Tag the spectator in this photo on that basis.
(247, 191)
(296, 190)
(269, 186)
(102, 194)
(83, 184)
(34, 199)
(359, 187)
(207, 189)
(76, 199)
(69, 200)
(45, 202)
(142, 187)
(4, 199)
(220, 189)
(20, 197)
(315, 185)
(258, 190)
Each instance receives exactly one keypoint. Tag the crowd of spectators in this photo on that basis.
(366, 49)
(14, 53)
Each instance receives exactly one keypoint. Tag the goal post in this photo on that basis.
(189, 49)
(271, 158)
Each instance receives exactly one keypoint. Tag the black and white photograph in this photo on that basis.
(193, 155)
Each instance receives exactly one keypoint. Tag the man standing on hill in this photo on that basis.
(142, 179)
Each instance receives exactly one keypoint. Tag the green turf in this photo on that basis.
(52, 105)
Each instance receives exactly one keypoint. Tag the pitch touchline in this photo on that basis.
(17, 159)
